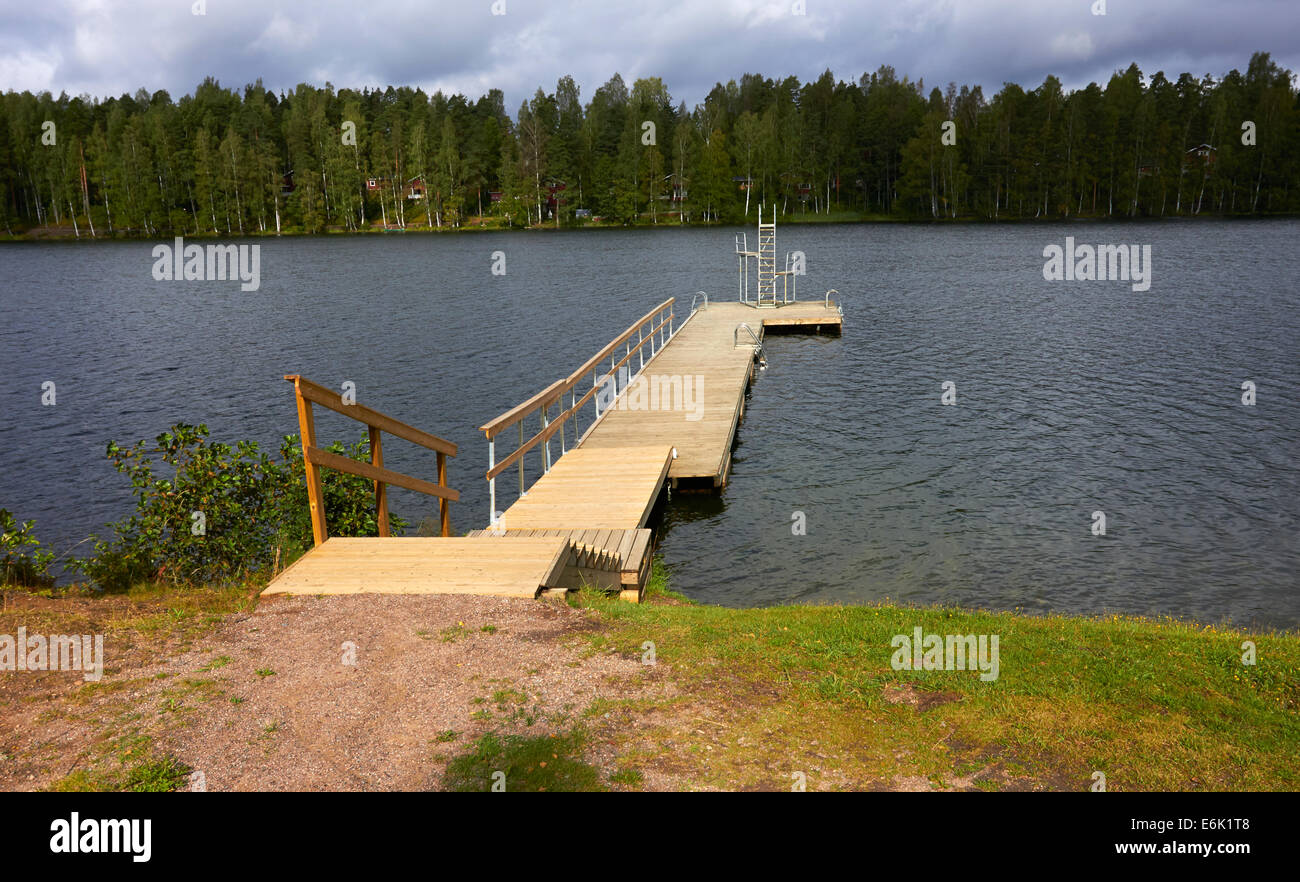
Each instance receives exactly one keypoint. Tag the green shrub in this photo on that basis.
(211, 513)
(22, 561)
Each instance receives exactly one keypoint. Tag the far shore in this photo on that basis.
(67, 232)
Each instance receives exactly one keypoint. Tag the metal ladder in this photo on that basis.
(766, 261)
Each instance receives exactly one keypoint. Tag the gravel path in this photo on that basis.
(340, 693)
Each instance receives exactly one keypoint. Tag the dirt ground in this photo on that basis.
(365, 692)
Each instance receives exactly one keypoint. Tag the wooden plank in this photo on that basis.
(640, 550)
(444, 510)
(354, 467)
(625, 548)
(600, 548)
(315, 492)
(334, 401)
(500, 566)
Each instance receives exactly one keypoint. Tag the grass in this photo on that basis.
(514, 763)
(150, 612)
(1155, 704)
(130, 764)
(454, 633)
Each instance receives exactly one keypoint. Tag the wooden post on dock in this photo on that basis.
(315, 493)
(381, 489)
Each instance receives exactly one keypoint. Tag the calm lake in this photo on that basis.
(1072, 397)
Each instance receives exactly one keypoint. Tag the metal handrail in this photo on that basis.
(696, 295)
(620, 352)
(828, 298)
(735, 337)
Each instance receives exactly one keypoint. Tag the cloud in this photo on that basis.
(107, 47)
(1074, 46)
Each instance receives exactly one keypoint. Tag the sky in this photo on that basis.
(105, 48)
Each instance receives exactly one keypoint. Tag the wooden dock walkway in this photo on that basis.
(662, 420)
(709, 356)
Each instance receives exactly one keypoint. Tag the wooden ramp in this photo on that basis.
(593, 489)
(504, 566)
(713, 356)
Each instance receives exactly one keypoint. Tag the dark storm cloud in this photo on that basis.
(106, 48)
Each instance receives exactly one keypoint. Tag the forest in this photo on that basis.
(230, 162)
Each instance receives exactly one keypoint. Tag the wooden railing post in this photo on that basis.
(444, 510)
(381, 489)
(315, 493)
(314, 459)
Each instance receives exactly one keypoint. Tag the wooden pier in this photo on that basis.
(663, 420)
(715, 349)
(658, 406)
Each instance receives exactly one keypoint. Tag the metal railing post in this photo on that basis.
(521, 460)
(546, 445)
(492, 482)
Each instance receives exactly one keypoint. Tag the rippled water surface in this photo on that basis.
(1071, 398)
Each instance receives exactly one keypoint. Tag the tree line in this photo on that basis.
(230, 162)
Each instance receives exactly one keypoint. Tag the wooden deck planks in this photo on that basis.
(704, 348)
(594, 489)
(504, 566)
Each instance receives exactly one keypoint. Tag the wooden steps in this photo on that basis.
(504, 566)
(615, 560)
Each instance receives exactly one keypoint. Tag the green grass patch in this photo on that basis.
(128, 764)
(519, 764)
(1155, 704)
(454, 633)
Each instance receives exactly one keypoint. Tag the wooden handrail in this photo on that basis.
(377, 473)
(544, 400)
(305, 394)
(552, 392)
(620, 340)
(519, 411)
(362, 414)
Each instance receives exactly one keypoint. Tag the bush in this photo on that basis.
(219, 513)
(22, 563)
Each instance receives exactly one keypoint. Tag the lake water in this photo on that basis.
(1072, 397)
